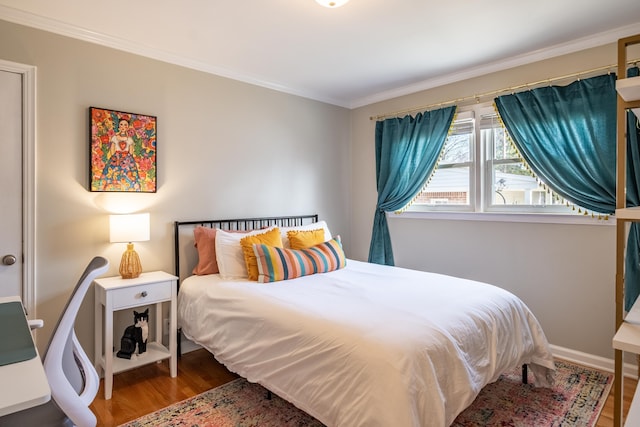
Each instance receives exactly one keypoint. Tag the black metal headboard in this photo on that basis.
(185, 255)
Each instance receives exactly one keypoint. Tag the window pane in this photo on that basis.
(448, 186)
(457, 149)
(513, 185)
(450, 182)
(502, 148)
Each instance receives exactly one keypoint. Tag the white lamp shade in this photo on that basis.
(332, 3)
(129, 228)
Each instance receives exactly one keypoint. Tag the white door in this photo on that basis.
(11, 253)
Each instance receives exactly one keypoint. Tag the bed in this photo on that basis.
(362, 344)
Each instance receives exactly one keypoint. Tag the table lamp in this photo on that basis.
(129, 228)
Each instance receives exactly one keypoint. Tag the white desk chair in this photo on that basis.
(72, 377)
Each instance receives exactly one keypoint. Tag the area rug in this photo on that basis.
(575, 400)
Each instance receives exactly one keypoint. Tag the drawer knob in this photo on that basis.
(143, 294)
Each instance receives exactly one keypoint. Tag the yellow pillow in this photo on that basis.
(271, 238)
(305, 239)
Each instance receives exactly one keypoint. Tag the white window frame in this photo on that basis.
(480, 207)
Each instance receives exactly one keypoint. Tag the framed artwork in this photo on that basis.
(122, 151)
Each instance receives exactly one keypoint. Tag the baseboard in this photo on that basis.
(629, 369)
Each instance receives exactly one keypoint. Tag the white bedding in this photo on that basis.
(368, 345)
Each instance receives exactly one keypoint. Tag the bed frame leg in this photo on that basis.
(269, 395)
(524, 374)
(179, 333)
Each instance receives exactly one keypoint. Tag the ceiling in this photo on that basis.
(360, 53)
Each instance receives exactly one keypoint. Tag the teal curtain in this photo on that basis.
(407, 150)
(567, 135)
(632, 259)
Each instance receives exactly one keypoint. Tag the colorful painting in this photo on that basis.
(123, 151)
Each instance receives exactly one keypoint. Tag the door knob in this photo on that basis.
(9, 259)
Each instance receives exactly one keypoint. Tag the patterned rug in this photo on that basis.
(575, 400)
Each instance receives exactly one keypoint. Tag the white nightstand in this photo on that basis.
(116, 293)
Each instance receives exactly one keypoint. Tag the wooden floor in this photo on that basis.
(149, 388)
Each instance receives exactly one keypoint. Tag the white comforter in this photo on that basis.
(368, 345)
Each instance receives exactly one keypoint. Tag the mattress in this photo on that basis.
(367, 345)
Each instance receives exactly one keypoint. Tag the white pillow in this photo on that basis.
(307, 227)
(229, 254)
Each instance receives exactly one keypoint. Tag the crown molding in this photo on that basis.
(54, 26)
(583, 43)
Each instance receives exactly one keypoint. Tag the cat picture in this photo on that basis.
(135, 335)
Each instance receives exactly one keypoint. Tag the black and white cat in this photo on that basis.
(135, 335)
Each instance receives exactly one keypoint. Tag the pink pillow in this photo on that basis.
(205, 239)
(205, 242)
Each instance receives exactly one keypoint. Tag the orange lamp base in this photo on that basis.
(130, 266)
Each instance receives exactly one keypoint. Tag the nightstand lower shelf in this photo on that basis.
(155, 353)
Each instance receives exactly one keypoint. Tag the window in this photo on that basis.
(451, 187)
(480, 170)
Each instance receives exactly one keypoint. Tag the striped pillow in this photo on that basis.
(282, 264)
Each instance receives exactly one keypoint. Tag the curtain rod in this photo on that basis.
(495, 92)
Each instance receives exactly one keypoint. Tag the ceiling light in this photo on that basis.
(332, 3)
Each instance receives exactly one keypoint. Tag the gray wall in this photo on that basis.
(225, 149)
(565, 273)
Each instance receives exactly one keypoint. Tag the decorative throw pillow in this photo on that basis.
(205, 243)
(282, 264)
(307, 227)
(271, 238)
(229, 254)
(299, 239)
(205, 238)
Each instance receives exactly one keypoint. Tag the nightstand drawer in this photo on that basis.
(140, 295)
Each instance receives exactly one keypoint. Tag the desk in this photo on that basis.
(24, 384)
